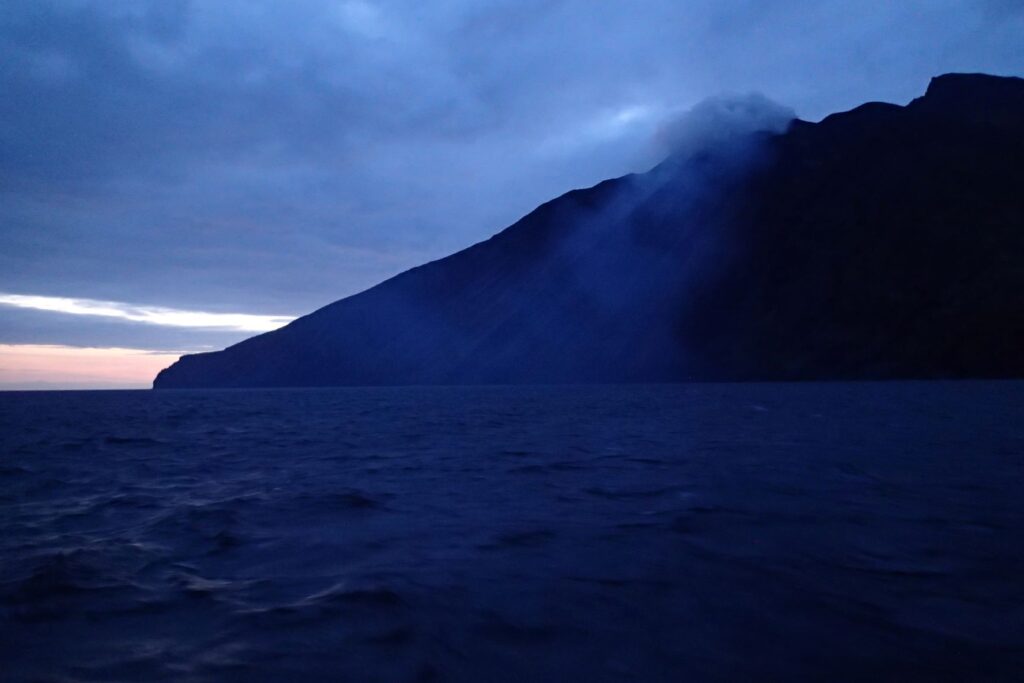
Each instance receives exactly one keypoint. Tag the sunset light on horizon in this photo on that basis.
(53, 366)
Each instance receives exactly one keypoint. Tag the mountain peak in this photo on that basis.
(974, 90)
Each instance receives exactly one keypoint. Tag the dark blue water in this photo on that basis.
(700, 533)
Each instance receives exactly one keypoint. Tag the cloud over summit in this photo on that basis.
(721, 119)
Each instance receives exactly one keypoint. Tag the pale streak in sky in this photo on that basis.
(151, 315)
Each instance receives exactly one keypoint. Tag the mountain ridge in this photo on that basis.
(816, 253)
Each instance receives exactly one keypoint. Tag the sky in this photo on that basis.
(178, 175)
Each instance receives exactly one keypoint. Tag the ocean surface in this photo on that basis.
(715, 532)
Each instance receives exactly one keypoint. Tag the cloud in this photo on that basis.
(150, 315)
(33, 326)
(722, 119)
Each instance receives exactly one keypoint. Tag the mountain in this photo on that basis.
(882, 242)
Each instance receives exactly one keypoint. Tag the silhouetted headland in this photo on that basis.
(882, 242)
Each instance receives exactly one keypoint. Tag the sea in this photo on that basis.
(692, 532)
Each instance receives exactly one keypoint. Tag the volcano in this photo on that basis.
(882, 242)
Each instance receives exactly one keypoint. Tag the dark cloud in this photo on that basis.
(21, 326)
(270, 157)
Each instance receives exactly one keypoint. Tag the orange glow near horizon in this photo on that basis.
(44, 366)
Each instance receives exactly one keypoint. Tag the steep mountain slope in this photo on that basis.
(886, 241)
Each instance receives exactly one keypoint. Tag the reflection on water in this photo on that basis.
(666, 533)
